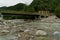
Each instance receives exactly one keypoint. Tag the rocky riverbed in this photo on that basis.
(18, 29)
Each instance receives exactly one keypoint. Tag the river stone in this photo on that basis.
(41, 32)
(4, 31)
(56, 33)
(27, 30)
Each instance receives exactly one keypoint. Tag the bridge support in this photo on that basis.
(41, 17)
(1, 16)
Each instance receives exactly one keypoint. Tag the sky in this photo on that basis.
(13, 2)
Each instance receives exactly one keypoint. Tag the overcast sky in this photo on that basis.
(13, 2)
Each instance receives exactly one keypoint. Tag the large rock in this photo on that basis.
(4, 32)
(41, 32)
(56, 34)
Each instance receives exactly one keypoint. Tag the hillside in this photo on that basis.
(16, 7)
(36, 5)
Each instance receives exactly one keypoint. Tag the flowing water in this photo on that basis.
(12, 27)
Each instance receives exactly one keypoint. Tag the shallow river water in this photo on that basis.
(15, 26)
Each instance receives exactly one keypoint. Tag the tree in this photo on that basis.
(57, 11)
(49, 5)
(29, 9)
(17, 7)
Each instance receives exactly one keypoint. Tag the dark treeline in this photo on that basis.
(37, 5)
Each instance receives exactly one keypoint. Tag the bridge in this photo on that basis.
(27, 15)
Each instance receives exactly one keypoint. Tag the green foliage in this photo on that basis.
(36, 5)
(49, 5)
(17, 7)
(57, 11)
(29, 9)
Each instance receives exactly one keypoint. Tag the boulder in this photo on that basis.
(41, 32)
(4, 32)
(56, 34)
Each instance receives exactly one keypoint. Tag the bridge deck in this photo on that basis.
(18, 12)
(41, 13)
